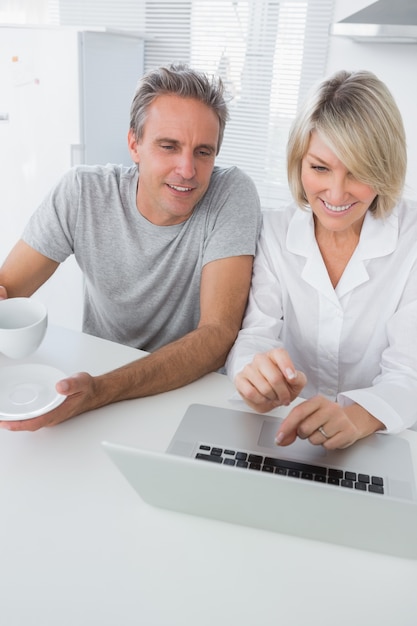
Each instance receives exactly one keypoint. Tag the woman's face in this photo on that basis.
(338, 201)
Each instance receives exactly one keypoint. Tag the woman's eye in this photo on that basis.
(319, 168)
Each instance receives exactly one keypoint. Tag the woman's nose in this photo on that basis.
(339, 193)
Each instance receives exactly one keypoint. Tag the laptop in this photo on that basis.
(223, 464)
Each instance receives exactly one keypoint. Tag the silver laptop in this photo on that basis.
(223, 464)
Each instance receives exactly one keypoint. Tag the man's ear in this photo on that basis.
(133, 146)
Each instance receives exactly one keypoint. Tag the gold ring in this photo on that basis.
(323, 432)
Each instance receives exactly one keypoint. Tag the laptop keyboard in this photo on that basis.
(295, 469)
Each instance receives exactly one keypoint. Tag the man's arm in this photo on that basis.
(224, 291)
(25, 270)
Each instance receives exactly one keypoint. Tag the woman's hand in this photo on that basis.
(327, 423)
(271, 380)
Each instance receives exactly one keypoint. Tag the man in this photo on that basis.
(166, 246)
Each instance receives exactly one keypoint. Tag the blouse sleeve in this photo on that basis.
(262, 324)
(392, 397)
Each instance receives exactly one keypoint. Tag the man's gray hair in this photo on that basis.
(182, 81)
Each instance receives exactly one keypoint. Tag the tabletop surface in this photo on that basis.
(78, 547)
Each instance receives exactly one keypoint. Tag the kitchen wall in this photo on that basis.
(395, 64)
(51, 119)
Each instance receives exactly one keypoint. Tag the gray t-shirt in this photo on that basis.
(142, 281)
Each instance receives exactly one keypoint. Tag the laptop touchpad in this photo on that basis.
(301, 448)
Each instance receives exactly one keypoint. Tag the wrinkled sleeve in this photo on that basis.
(262, 324)
(50, 229)
(393, 395)
(234, 219)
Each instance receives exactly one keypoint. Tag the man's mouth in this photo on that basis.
(180, 188)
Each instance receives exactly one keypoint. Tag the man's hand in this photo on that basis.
(223, 295)
(80, 392)
(271, 380)
(326, 423)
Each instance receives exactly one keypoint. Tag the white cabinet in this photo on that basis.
(65, 97)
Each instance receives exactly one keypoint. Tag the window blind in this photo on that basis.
(111, 14)
(268, 52)
(23, 11)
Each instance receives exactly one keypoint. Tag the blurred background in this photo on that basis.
(69, 68)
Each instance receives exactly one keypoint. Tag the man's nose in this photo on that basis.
(186, 165)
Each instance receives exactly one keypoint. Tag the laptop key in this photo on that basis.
(302, 467)
(346, 483)
(335, 473)
(229, 461)
(332, 480)
(294, 473)
(255, 458)
(360, 486)
(350, 476)
(375, 488)
(377, 480)
(281, 470)
(209, 457)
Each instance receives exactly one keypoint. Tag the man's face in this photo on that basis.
(176, 158)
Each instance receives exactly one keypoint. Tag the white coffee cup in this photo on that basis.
(23, 323)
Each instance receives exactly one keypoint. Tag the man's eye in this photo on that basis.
(206, 152)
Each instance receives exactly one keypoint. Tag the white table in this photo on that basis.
(79, 548)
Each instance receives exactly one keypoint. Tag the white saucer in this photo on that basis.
(28, 390)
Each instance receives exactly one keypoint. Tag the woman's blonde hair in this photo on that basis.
(357, 117)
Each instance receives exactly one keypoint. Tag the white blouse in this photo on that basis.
(355, 343)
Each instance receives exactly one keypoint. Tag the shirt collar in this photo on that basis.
(378, 238)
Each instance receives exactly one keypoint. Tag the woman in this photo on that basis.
(332, 314)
